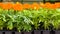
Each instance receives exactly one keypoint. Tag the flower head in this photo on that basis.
(7, 6)
(26, 6)
(18, 6)
(35, 6)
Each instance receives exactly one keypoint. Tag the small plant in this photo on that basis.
(56, 19)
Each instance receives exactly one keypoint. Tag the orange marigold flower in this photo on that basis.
(7, 6)
(47, 5)
(1, 4)
(53, 6)
(57, 5)
(4, 6)
(10, 5)
(42, 5)
(35, 6)
(26, 6)
(18, 6)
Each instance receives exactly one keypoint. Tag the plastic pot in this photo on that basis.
(37, 31)
(1, 32)
(27, 32)
(57, 31)
(8, 32)
(46, 31)
(17, 32)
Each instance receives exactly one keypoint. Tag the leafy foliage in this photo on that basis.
(23, 20)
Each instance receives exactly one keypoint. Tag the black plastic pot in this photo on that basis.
(1, 32)
(8, 32)
(17, 32)
(37, 31)
(27, 32)
(46, 31)
(57, 31)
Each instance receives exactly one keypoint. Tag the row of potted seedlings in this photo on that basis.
(30, 21)
(42, 21)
